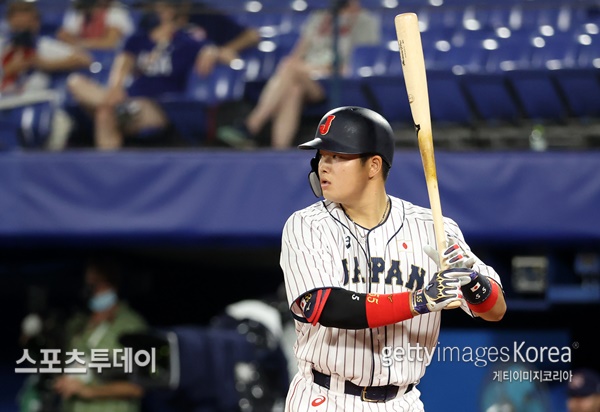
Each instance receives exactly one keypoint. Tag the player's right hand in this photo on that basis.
(439, 293)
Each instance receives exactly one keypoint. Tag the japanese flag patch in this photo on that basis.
(405, 246)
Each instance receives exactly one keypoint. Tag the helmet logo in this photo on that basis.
(324, 128)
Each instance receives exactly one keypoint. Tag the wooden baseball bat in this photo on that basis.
(415, 78)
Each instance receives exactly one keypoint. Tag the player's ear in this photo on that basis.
(375, 164)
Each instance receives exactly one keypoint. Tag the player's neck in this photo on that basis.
(371, 211)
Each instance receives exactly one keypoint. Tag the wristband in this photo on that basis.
(478, 290)
(487, 303)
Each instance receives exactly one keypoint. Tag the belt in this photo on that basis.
(366, 393)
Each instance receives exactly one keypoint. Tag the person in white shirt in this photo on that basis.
(96, 24)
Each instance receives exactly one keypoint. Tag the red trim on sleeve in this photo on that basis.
(387, 309)
(319, 304)
(489, 303)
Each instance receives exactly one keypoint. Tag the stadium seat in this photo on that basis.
(367, 61)
(26, 127)
(581, 88)
(513, 53)
(438, 18)
(540, 98)
(447, 99)
(192, 113)
(292, 22)
(467, 51)
(492, 98)
(556, 52)
(387, 95)
(260, 65)
(588, 56)
(223, 84)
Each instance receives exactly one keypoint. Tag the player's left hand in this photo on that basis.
(464, 275)
(453, 257)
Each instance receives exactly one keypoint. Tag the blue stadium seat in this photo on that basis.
(223, 84)
(440, 18)
(539, 96)
(389, 93)
(393, 62)
(260, 19)
(260, 65)
(448, 103)
(433, 42)
(447, 100)
(466, 51)
(581, 88)
(26, 127)
(558, 51)
(492, 98)
(367, 61)
(292, 22)
(193, 112)
(513, 53)
(588, 56)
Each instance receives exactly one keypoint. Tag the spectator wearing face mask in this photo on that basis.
(27, 59)
(29, 63)
(107, 319)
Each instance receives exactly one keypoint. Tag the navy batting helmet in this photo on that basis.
(350, 130)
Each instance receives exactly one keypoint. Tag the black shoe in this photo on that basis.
(237, 137)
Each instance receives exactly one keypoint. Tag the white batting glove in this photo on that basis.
(464, 275)
(439, 293)
(453, 257)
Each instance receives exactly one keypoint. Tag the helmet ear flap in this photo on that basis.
(313, 176)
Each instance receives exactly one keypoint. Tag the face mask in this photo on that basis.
(102, 301)
(149, 21)
(24, 38)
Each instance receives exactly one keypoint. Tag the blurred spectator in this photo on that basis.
(29, 64)
(96, 24)
(584, 391)
(155, 61)
(28, 59)
(108, 318)
(298, 78)
(231, 37)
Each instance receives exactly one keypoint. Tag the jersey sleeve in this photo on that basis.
(452, 230)
(306, 259)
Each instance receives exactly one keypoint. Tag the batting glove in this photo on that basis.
(453, 257)
(439, 293)
(474, 286)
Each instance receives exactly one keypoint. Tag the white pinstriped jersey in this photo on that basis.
(322, 247)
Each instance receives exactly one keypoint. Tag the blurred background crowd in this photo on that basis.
(148, 163)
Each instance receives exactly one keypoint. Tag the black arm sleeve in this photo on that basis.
(345, 310)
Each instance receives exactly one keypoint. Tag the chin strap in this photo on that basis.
(313, 176)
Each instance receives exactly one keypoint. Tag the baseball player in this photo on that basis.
(362, 281)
